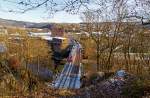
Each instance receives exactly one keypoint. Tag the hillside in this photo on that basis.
(14, 23)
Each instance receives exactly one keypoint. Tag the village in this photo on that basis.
(42, 55)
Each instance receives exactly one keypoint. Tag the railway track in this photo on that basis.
(69, 78)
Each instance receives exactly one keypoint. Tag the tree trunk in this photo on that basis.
(98, 53)
(98, 56)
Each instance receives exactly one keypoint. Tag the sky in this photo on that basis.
(38, 15)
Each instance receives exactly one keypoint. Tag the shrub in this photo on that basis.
(134, 88)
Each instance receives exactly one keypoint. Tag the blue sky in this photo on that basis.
(37, 15)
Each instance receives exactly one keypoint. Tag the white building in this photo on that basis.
(46, 35)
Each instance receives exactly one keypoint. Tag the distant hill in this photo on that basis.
(14, 23)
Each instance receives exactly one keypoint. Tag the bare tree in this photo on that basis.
(52, 6)
(136, 9)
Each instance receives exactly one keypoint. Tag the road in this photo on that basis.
(69, 78)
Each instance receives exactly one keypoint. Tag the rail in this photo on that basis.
(69, 78)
